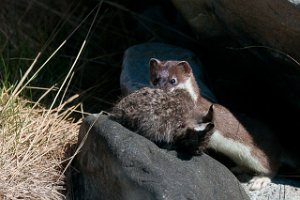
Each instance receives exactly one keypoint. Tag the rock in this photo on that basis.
(262, 39)
(295, 2)
(117, 164)
(280, 188)
(135, 67)
(270, 23)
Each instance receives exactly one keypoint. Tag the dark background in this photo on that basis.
(241, 80)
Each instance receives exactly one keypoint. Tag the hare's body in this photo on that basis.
(161, 116)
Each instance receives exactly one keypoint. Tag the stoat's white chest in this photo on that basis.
(188, 86)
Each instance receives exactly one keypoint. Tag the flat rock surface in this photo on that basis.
(279, 189)
(117, 164)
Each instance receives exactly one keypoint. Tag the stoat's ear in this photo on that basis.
(154, 65)
(208, 117)
(154, 62)
(186, 67)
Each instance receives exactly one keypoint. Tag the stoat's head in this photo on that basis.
(169, 75)
(172, 75)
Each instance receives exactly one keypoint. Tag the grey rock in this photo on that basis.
(117, 164)
(135, 67)
(270, 23)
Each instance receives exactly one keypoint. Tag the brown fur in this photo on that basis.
(252, 134)
(161, 116)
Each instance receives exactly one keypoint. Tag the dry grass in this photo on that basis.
(34, 140)
(36, 133)
(33, 143)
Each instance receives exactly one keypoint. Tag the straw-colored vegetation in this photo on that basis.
(38, 131)
(35, 141)
(48, 51)
(33, 148)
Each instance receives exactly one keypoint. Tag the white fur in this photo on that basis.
(238, 152)
(201, 127)
(188, 86)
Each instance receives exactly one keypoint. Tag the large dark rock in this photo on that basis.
(272, 23)
(135, 67)
(258, 43)
(117, 164)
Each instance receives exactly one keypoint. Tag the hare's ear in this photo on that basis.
(186, 68)
(208, 117)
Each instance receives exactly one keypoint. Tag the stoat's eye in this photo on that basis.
(173, 81)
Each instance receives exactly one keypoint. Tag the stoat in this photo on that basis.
(165, 117)
(248, 143)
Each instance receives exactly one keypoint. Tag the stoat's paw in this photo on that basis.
(259, 182)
